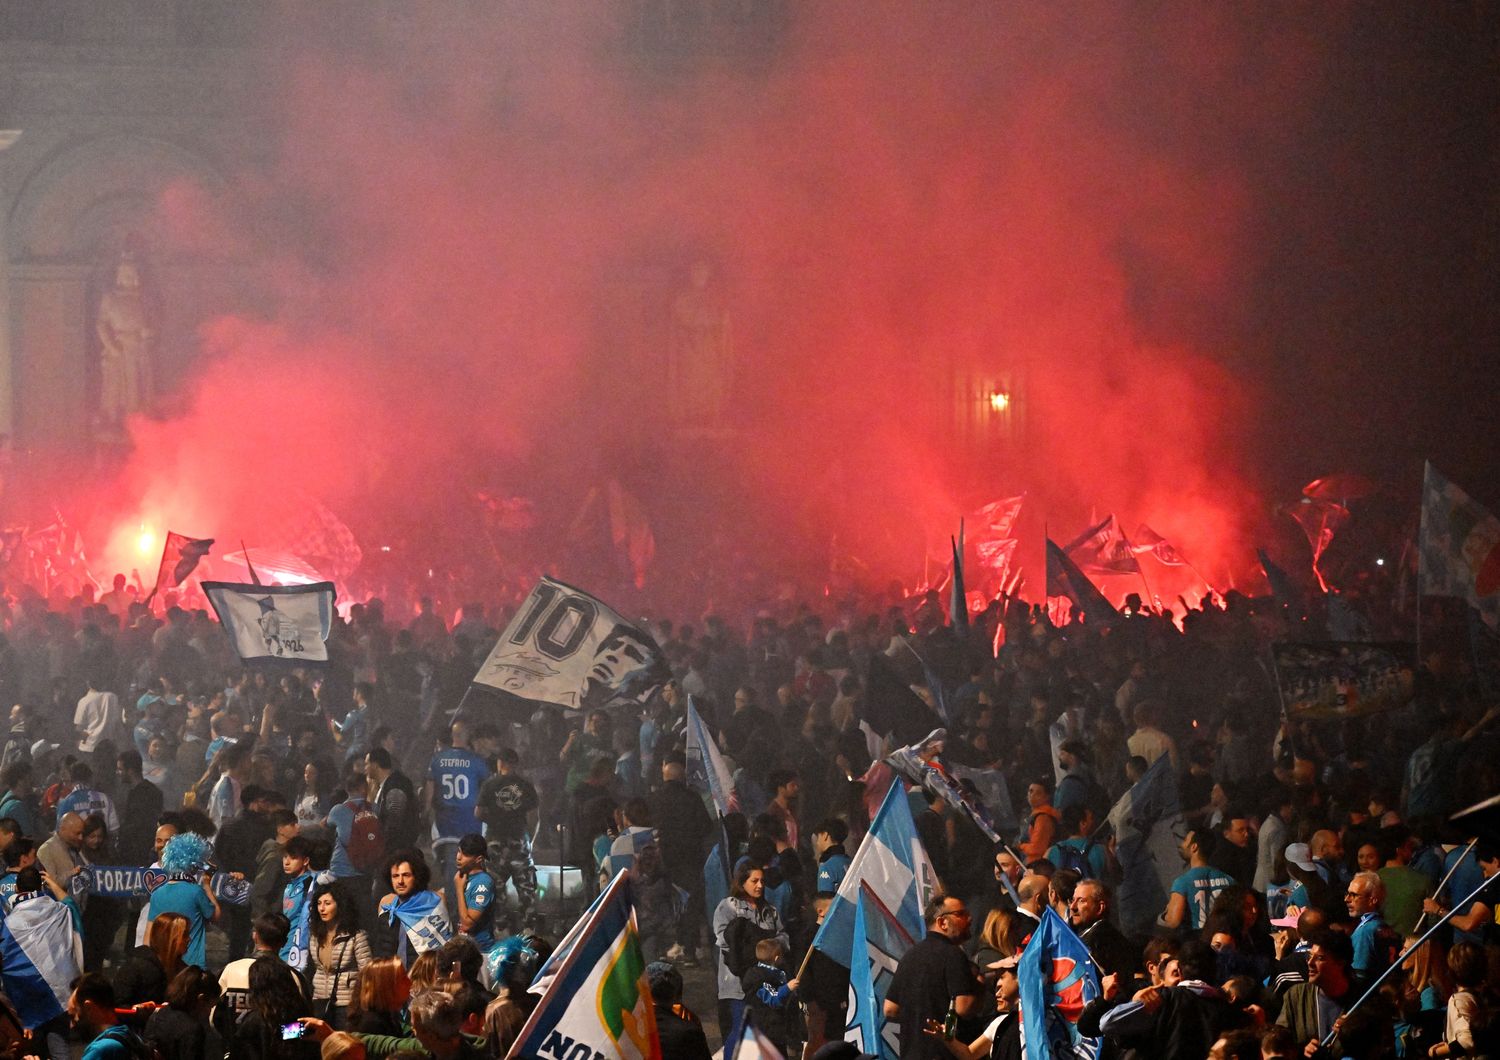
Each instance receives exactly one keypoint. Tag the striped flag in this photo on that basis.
(893, 864)
(41, 954)
(597, 1003)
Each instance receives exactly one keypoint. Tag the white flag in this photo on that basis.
(569, 648)
(284, 623)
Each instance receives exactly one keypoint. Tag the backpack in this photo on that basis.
(366, 845)
(1076, 859)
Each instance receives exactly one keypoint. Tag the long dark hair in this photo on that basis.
(742, 874)
(346, 920)
(274, 994)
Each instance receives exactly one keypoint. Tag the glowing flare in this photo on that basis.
(146, 542)
(999, 400)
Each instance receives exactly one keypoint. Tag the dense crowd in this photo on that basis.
(341, 860)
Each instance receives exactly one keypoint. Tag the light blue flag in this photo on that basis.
(893, 864)
(1147, 821)
(1058, 978)
(41, 954)
(424, 920)
(884, 942)
(706, 771)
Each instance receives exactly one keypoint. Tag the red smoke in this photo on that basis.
(463, 218)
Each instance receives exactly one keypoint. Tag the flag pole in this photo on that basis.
(248, 565)
(1449, 875)
(1396, 964)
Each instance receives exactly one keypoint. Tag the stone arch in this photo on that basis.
(84, 195)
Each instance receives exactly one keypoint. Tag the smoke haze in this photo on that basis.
(466, 221)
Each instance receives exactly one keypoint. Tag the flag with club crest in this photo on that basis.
(179, 558)
(1148, 540)
(882, 942)
(1458, 548)
(1058, 979)
(572, 650)
(281, 624)
(1103, 549)
(892, 862)
(706, 769)
(597, 1002)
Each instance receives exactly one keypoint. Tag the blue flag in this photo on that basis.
(706, 770)
(1057, 978)
(1146, 822)
(1065, 579)
(883, 942)
(893, 864)
(958, 602)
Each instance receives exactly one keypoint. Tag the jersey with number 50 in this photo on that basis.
(456, 775)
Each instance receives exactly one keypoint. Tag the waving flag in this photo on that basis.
(1459, 548)
(40, 956)
(1319, 520)
(179, 558)
(1057, 979)
(706, 771)
(893, 864)
(1103, 549)
(1148, 540)
(1282, 587)
(958, 600)
(424, 919)
(883, 942)
(284, 624)
(550, 967)
(1065, 579)
(597, 1003)
(569, 649)
(936, 778)
(891, 708)
(1147, 821)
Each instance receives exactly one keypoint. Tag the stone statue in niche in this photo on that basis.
(125, 346)
(700, 364)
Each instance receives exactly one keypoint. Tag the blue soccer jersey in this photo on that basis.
(479, 894)
(456, 776)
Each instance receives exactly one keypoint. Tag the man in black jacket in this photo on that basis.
(1176, 1022)
(682, 828)
(237, 848)
(1111, 950)
(394, 799)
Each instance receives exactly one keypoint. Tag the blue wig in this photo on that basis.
(185, 852)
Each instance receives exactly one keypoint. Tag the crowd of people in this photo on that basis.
(343, 861)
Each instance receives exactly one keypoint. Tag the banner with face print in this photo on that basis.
(571, 649)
